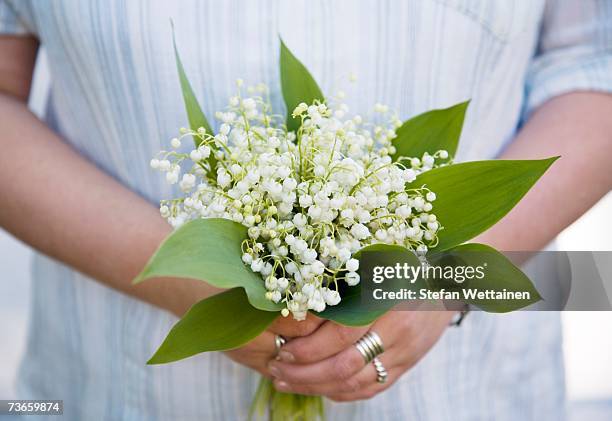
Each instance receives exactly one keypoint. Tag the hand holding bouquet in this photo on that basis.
(279, 211)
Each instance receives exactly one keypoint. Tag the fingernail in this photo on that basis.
(286, 356)
(281, 385)
(274, 371)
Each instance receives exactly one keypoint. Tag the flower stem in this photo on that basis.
(277, 406)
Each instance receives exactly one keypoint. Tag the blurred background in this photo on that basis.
(587, 335)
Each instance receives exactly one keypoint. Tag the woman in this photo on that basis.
(78, 188)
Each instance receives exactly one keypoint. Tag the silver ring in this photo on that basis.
(370, 346)
(279, 341)
(381, 371)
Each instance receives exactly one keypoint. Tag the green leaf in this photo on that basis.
(499, 274)
(195, 114)
(354, 309)
(472, 196)
(298, 85)
(221, 322)
(209, 250)
(430, 132)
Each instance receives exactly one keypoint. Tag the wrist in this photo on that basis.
(175, 295)
(184, 293)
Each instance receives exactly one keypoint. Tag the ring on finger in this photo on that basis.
(279, 341)
(370, 346)
(381, 371)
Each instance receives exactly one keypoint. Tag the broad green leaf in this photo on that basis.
(430, 132)
(195, 114)
(499, 274)
(218, 323)
(472, 196)
(354, 310)
(298, 85)
(209, 250)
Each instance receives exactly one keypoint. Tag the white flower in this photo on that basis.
(347, 213)
(403, 211)
(314, 212)
(318, 267)
(428, 160)
(224, 179)
(195, 155)
(360, 231)
(290, 239)
(282, 283)
(300, 246)
(164, 165)
(299, 220)
(316, 303)
(172, 177)
(276, 296)
(164, 211)
(331, 297)
(309, 256)
(266, 269)
(352, 265)
(271, 283)
(418, 203)
(257, 265)
(409, 175)
(308, 290)
(305, 200)
(352, 278)
(344, 254)
(308, 209)
(291, 268)
(289, 184)
(381, 235)
(188, 182)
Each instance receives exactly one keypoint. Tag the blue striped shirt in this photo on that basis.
(115, 98)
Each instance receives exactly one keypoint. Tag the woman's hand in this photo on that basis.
(327, 363)
(260, 351)
(256, 354)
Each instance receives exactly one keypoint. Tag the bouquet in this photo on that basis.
(279, 209)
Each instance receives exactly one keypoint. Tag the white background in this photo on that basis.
(587, 341)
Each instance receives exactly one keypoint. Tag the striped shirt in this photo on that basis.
(115, 98)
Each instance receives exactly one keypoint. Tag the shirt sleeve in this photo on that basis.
(574, 51)
(10, 23)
